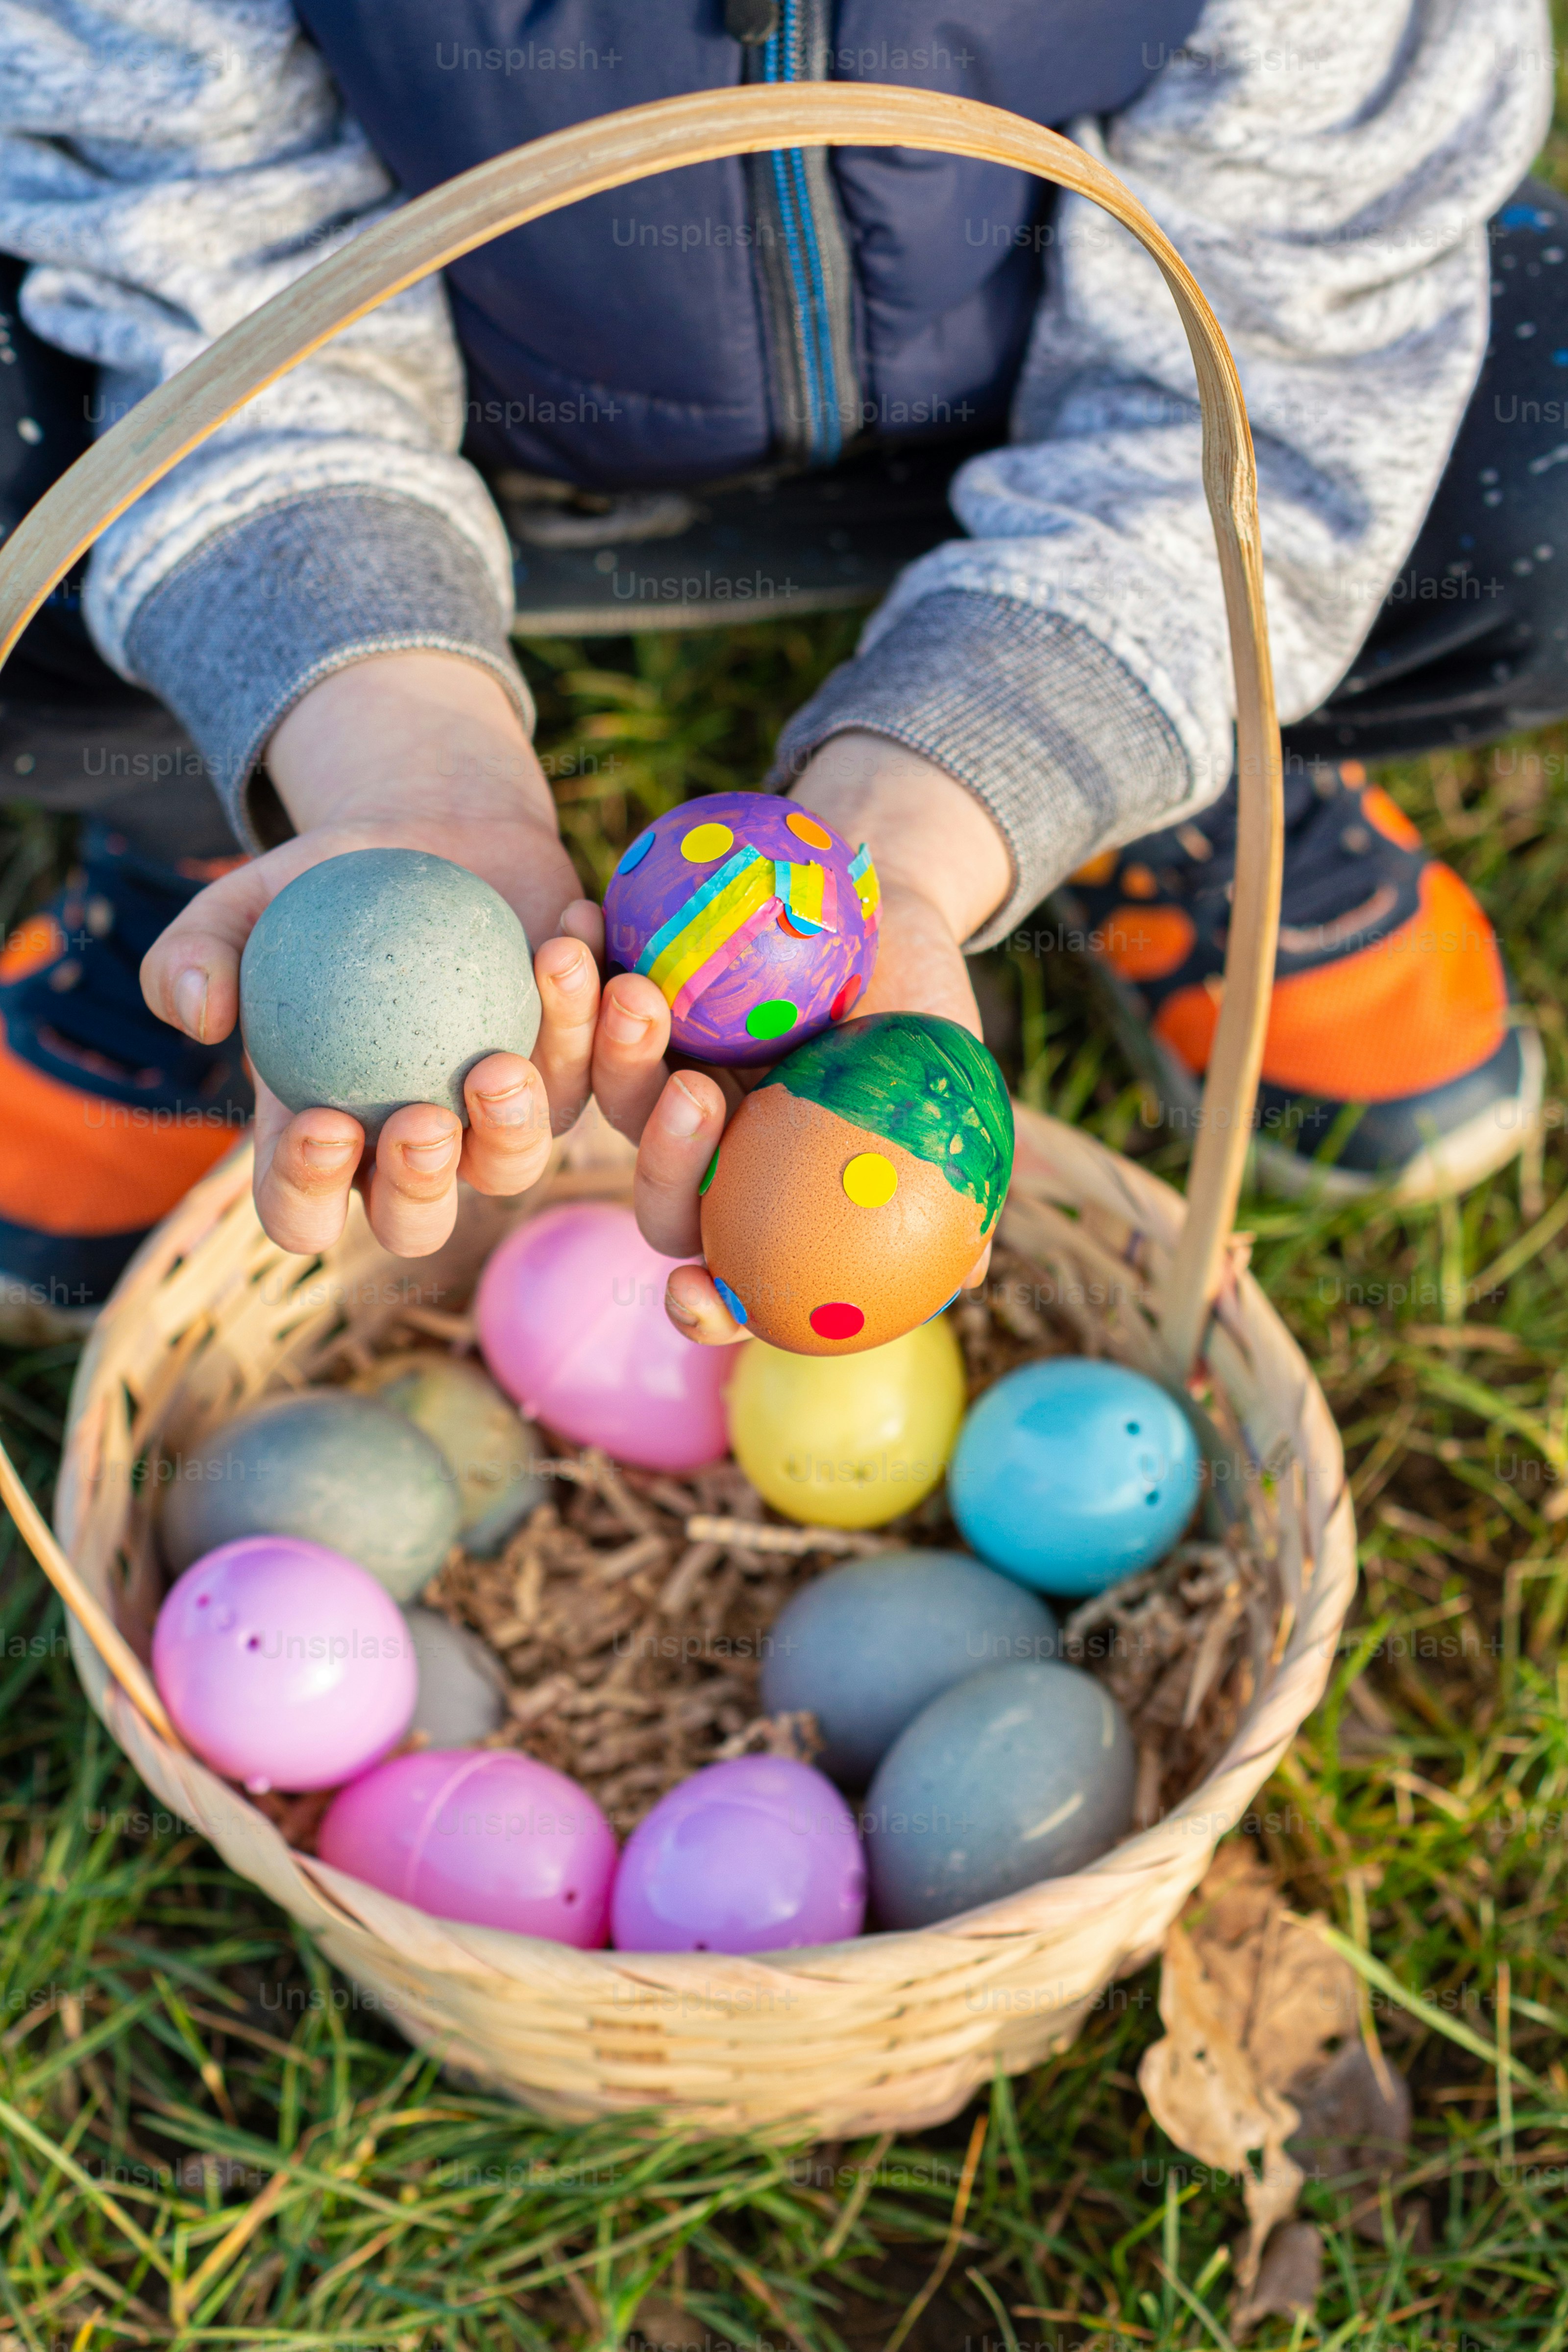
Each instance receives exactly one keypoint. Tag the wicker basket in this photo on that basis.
(890, 2030)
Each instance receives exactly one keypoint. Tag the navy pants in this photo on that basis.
(1470, 644)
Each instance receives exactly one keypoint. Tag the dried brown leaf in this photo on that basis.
(1260, 2015)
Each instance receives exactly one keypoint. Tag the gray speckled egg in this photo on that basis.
(867, 1646)
(484, 1438)
(380, 978)
(344, 1471)
(462, 1690)
(1016, 1774)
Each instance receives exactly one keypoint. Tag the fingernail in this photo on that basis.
(512, 1107)
(429, 1159)
(573, 977)
(678, 1309)
(191, 1003)
(627, 1028)
(325, 1151)
(680, 1112)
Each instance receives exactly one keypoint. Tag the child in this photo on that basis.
(321, 594)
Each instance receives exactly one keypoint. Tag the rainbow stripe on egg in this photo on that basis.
(717, 924)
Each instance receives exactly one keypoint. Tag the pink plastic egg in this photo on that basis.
(572, 1321)
(752, 1855)
(480, 1834)
(283, 1664)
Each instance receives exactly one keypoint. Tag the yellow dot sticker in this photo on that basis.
(870, 1181)
(806, 828)
(704, 843)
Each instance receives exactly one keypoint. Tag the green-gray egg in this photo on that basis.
(1016, 1774)
(341, 1470)
(866, 1646)
(380, 978)
(462, 1690)
(486, 1441)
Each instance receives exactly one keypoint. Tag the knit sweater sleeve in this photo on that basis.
(1328, 174)
(166, 166)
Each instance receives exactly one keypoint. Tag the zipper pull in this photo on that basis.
(751, 20)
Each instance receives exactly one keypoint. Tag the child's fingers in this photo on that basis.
(568, 981)
(413, 1194)
(190, 974)
(629, 1051)
(507, 1145)
(304, 1170)
(678, 1140)
(694, 1307)
(582, 920)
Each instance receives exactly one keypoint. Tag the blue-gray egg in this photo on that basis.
(489, 1448)
(867, 1646)
(462, 1690)
(1016, 1774)
(380, 978)
(343, 1471)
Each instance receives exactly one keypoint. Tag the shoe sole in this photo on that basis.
(1446, 1168)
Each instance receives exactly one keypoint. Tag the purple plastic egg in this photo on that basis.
(752, 1855)
(283, 1664)
(571, 1318)
(756, 920)
(480, 1834)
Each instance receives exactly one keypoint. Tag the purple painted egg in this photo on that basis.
(480, 1834)
(755, 918)
(752, 1855)
(283, 1664)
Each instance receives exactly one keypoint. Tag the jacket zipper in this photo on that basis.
(804, 254)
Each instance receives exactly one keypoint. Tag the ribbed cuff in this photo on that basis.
(236, 634)
(1043, 725)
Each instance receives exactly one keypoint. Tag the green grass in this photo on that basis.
(208, 2140)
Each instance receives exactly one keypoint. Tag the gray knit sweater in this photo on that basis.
(1327, 171)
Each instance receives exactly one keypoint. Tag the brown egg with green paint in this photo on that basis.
(856, 1187)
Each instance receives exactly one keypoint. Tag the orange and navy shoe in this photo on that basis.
(1394, 1059)
(106, 1115)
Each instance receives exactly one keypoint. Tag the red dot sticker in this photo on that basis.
(836, 1321)
(846, 997)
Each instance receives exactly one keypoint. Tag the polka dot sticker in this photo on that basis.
(733, 1304)
(837, 1321)
(704, 843)
(636, 853)
(871, 1179)
(773, 1019)
(839, 1008)
(806, 828)
(712, 1170)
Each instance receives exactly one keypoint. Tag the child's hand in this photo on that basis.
(418, 740)
(919, 822)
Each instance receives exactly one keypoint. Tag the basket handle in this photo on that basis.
(610, 151)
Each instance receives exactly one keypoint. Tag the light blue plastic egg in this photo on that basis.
(1070, 1474)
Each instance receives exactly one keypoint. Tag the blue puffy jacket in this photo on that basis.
(702, 323)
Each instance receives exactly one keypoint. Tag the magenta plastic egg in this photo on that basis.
(480, 1834)
(756, 920)
(571, 1318)
(752, 1855)
(283, 1664)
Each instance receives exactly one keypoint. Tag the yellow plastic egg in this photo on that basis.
(848, 1440)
